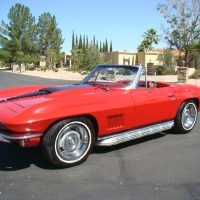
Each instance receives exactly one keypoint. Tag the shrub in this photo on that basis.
(196, 74)
(30, 67)
(163, 70)
(55, 69)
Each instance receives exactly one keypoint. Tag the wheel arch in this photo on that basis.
(88, 116)
(193, 99)
(180, 126)
(94, 122)
(188, 99)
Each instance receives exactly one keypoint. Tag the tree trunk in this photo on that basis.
(20, 67)
(186, 58)
(180, 59)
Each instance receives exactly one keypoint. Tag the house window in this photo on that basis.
(126, 61)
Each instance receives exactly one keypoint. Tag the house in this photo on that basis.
(133, 58)
(150, 57)
(120, 58)
(146, 59)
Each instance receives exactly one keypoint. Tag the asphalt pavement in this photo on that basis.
(159, 167)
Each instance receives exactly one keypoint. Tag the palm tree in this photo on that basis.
(144, 46)
(150, 38)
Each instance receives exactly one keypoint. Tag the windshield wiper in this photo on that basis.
(99, 84)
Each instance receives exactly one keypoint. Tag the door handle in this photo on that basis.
(171, 95)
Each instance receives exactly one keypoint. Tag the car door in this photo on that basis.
(153, 105)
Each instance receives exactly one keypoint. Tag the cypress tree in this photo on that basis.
(87, 43)
(80, 46)
(97, 44)
(77, 41)
(106, 45)
(111, 48)
(84, 43)
(100, 48)
(104, 48)
(73, 40)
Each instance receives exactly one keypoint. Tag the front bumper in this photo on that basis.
(24, 140)
(20, 137)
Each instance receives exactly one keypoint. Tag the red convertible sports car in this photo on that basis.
(113, 104)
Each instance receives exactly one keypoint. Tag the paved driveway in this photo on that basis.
(157, 167)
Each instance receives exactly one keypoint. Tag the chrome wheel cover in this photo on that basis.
(189, 116)
(73, 142)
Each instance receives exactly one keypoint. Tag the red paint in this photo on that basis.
(114, 110)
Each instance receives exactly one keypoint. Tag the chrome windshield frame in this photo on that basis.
(134, 81)
(140, 71)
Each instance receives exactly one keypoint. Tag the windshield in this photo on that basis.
(112, 76)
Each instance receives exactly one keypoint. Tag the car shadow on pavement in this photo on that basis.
(102, 150)
(13, 158)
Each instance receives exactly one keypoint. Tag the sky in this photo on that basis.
(121, 21)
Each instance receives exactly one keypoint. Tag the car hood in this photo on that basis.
(40, 98)
(33, 91)
(38, 94)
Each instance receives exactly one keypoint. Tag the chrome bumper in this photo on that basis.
(20, 137)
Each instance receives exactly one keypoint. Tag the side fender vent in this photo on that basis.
(115, 122)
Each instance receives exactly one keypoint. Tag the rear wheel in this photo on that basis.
(69, 142)
(186, 117)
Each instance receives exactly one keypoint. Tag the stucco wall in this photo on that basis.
(153, 58)
(120, 58)
(130, 58)
(148, 57)
(126, 59)
(112, 58)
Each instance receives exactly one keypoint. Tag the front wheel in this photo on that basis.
(69, 142)
(186, 117)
